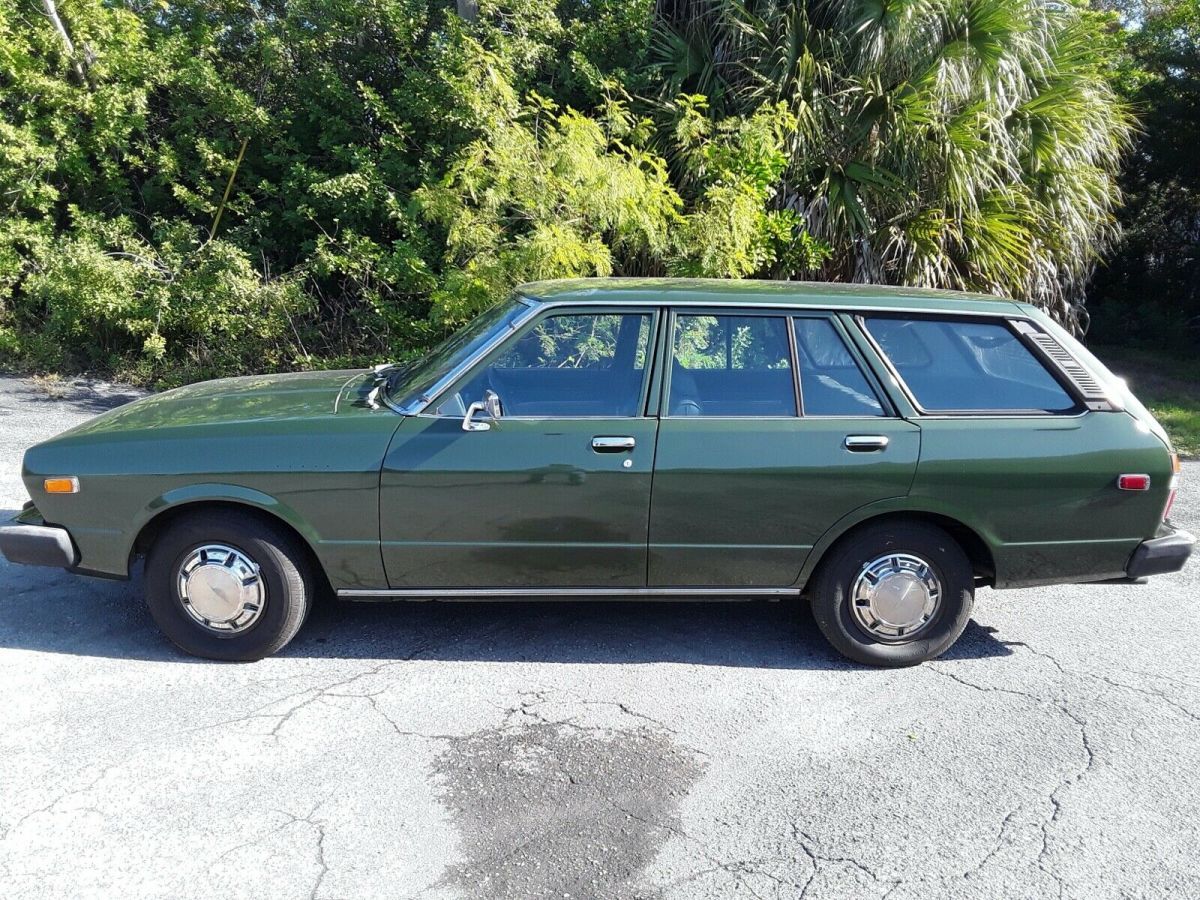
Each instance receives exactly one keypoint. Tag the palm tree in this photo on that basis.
(970, 144)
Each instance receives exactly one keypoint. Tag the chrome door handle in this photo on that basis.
(865, 443)
(613, 444)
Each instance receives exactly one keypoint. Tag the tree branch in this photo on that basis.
(68, 44)
(228, 187)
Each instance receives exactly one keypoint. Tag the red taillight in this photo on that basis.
(1134, 482)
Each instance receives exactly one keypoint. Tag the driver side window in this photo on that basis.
(568, 365)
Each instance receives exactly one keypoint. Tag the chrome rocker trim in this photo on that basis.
(520, 593)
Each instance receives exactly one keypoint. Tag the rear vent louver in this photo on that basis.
(1090, 390)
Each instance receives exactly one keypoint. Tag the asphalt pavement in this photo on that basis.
(591, 750)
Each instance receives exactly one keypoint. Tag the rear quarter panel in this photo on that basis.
(1041, 491)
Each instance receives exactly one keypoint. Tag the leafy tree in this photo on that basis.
(273, 147)
(730, 170)
(549, 193)
(1148, 290)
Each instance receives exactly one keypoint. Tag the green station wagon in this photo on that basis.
(880, 452)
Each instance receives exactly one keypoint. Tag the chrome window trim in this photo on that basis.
(860, 320)
(887, 407)
(794, 351)
(508, 418)
(446, 382)
(1038, 415)
(779, 418)
(781, 307)
(749, 417)
(674, 304)
(691, 309)
(438, 387)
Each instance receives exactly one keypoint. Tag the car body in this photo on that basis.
(636, 438)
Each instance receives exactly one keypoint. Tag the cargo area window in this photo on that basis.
(965, 365)
(731, 366)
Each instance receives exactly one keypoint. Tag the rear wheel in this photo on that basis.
(893, 594)
(228, 586)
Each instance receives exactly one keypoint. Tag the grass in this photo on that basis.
(1169, 386)
(54, 385)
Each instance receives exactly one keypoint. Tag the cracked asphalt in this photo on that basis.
(592, 750)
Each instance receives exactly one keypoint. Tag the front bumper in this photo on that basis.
(1160, 555)
(26, 541)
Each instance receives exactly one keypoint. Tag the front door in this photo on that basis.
(553, 493)
(754, 464)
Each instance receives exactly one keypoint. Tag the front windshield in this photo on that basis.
(413, 381)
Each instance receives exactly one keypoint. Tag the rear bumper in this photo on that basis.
(37, 545)
(1159, 555)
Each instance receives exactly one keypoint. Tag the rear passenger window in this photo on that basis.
(731, 366)
(831, 382)
(971, 366)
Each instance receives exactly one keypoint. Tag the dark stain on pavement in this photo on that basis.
(558, 810)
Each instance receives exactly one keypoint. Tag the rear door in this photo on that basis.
(770, 432)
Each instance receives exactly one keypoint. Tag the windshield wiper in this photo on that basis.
(384, 375)
(380, 378)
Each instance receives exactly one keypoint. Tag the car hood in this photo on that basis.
(257, 398)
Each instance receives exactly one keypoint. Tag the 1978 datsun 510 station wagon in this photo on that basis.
(879, 451)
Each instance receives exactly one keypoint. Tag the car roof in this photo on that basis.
(753, 293)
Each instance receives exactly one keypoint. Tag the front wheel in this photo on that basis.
(228, 586)
(893, 594)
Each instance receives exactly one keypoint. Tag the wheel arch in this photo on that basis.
(974, 545)
(174, 505)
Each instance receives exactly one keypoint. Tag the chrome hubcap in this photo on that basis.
(221, 588)
(895, 597)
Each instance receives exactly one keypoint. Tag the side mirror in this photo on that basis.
(490, 406)
(491, 402)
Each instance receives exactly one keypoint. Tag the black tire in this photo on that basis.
(830, 588)
(284, 569)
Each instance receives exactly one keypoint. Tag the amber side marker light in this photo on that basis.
(1176, 468)
(61, 485)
